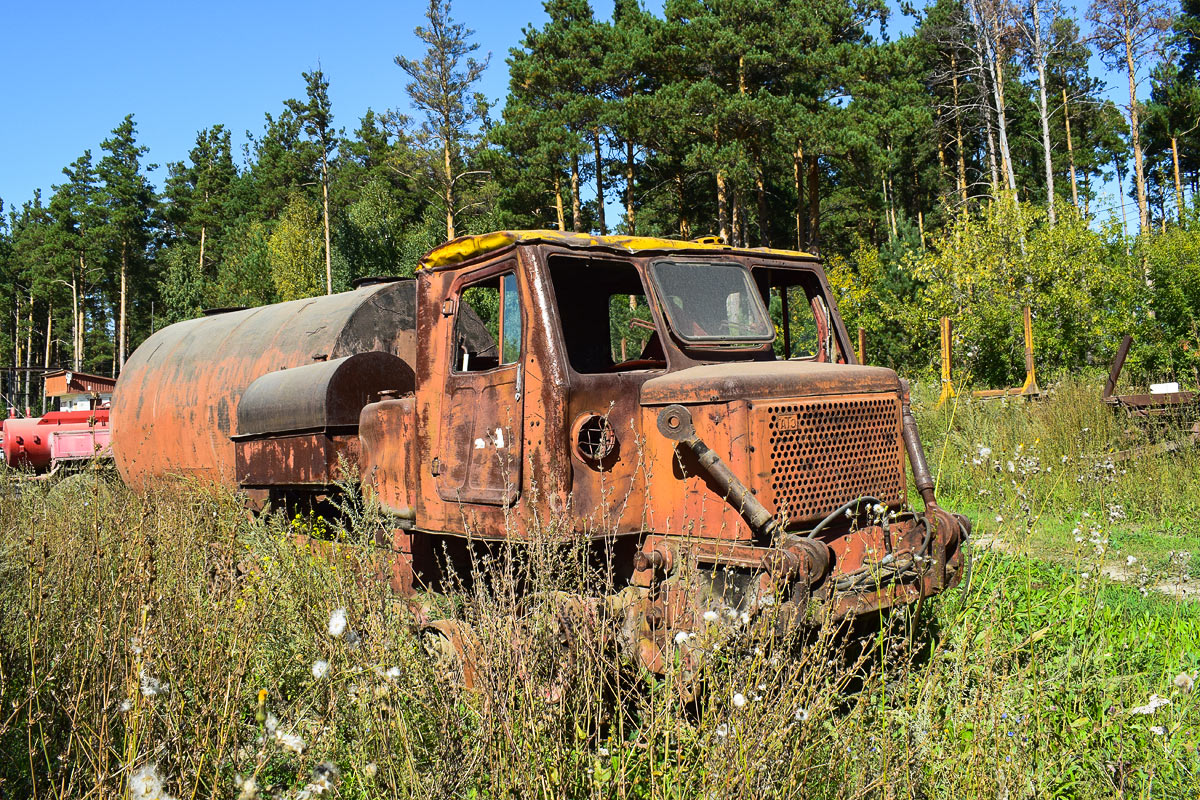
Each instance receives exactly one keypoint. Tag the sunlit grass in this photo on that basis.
(174, 631)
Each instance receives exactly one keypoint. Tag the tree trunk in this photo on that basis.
(629, 220)
(1136, 141)
(449, 194)
(1070, 153)
(723, 208)
(325, 203)
(558, 203)
(124, 305)
(760, 188)
(1002, 127)
(685, 230)
(988, 45)
(887, 207)
(49, 339)
(958, 131)
(599, 182)
(798, 179)
(735, 218)
(1178, 185)
(16, 343)
(1043, 110)
(1121, 194)
(814, 206)
(76, 321)
(29, 353)
(576, 203)
(203, 230)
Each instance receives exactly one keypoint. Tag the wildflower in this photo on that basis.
(290, 741)
(1011, 467)
(392, 674)
(603, 751)
(247, 787)
(144, 784)
(682, 637)
(999, 519)
(768, 600)
(370, 770)
(1158, 730)
(1155, 703)
(744, 618)
(710, 616)
(722, 730)
(801, 714)
(320, 668)
(1078, 540)
(152, 686)
(985, 453)
(1184, 681)
(337, 623)
(1130, 561)
(126, 706)
(324, 777)
(739, 700)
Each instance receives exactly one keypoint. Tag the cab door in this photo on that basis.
(482, 432)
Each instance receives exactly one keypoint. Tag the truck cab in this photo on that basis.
(557, 421)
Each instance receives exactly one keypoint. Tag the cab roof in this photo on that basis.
(465, 248)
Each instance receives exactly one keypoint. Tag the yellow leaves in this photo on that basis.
(295, 251)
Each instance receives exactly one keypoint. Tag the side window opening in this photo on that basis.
(803, 320)
(605, 317)
(487, 325)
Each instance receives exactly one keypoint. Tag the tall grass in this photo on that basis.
(139, 633)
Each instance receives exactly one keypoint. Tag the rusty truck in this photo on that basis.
(683, 406)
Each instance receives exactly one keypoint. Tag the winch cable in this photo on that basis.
(841, 510)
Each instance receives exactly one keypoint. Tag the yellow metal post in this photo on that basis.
(1030, 386)
(947, 385)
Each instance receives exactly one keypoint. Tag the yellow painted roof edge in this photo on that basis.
(468, 247)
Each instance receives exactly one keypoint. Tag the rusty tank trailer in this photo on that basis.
(683, 404)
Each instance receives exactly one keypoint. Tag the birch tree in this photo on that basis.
(1126, 33)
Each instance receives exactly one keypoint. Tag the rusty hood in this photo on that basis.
(715, 383)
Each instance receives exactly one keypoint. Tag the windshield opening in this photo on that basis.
(712, 302)
(605, 318)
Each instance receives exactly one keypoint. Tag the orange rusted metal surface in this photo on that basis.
(609, 389)
(175, 404)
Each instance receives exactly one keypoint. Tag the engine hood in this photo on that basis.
(715, 383)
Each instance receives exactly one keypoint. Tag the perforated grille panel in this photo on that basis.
(820, 454)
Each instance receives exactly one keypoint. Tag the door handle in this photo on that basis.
(520, 374)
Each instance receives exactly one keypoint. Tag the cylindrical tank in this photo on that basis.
(27, 441)
(24, 444)
(175, 403)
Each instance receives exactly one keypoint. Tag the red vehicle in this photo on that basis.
(78, 431)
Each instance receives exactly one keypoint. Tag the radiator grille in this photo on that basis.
(824, 453)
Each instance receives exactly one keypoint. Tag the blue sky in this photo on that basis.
(74, 69)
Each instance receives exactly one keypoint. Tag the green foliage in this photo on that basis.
(981, 270)
(294, 251)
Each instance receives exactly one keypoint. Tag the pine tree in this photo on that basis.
(316, 117)
(441, 89)
(128, 203)
(75, 212)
